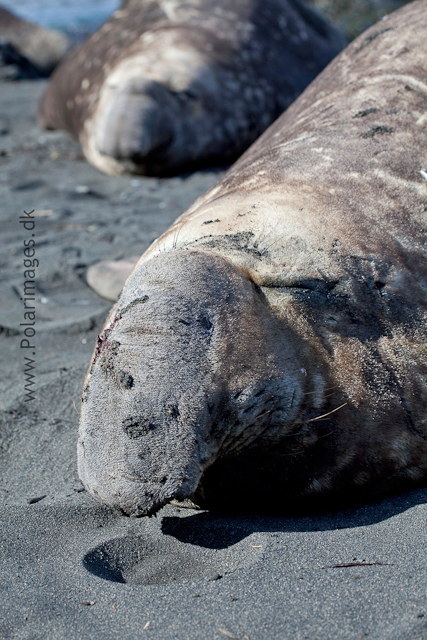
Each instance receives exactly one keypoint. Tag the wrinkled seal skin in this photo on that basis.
(167, 85)
(37, 50)
(270, 347)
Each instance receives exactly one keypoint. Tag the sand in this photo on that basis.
(73, 569)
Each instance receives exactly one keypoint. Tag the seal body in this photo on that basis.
(165, 86)
(29, 50)
(270, 347)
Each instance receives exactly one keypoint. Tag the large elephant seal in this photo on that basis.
(31, 50)
(272, 344)
(168, 85)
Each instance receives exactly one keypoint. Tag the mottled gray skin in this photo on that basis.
(42, 48)
(270, 347)
(168, 85)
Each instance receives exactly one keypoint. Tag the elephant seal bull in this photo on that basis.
(271, 346)
(168, 85)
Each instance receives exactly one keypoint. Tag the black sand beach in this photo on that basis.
(73, 569)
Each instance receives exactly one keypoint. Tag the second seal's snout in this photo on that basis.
(134, 120)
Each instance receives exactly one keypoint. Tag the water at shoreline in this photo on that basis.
(76, 17)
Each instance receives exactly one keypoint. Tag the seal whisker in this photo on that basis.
(327, 414)
(309, 393)
(175, 243)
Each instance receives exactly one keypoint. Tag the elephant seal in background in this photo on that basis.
(271, 346)
(33, 51)
(171, 85)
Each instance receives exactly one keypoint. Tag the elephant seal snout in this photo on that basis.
(182, 375)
